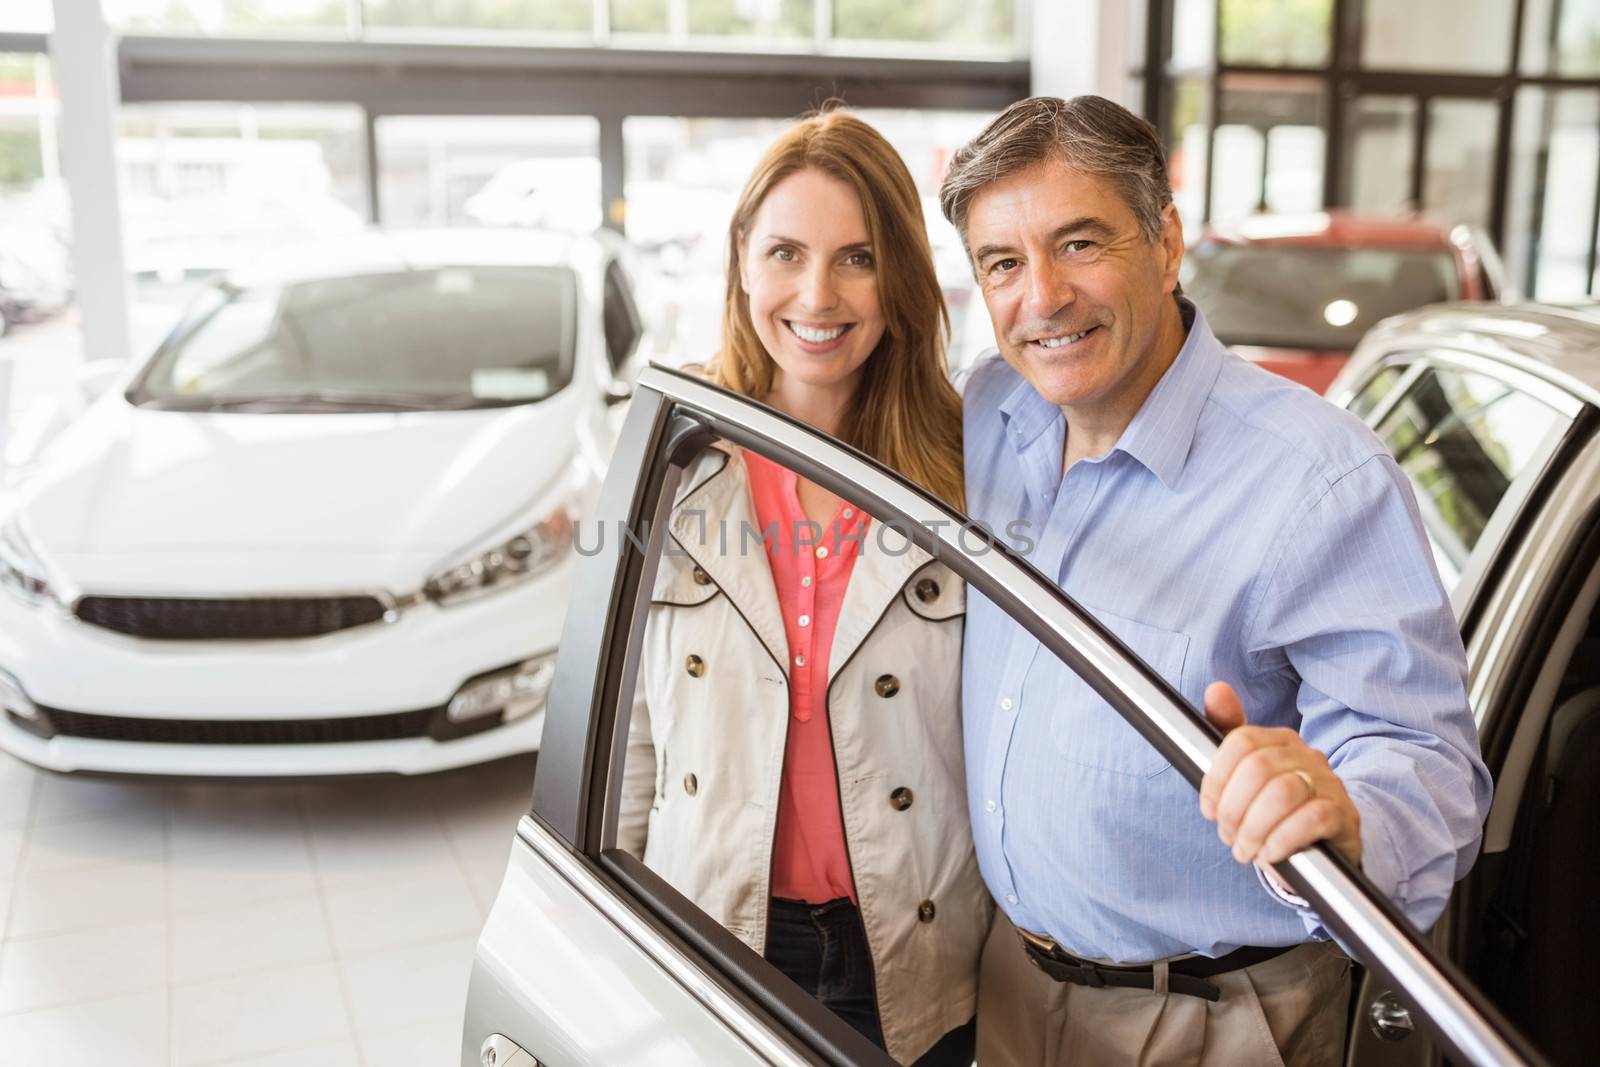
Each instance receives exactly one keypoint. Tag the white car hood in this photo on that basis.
(131, 498)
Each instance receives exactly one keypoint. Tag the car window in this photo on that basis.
(1310, 297)
(1463, 438)
(453, 336)
(1375, 389)
(622, 324)
(672, 719)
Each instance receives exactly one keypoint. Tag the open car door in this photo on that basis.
(591, 958)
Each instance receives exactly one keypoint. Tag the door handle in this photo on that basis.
(500, 1051)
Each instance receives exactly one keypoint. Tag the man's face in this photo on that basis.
(1075, 291)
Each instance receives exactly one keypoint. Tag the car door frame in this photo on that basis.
(1514, 575)
(578, 781)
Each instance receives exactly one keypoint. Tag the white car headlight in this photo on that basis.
(525, 555)
(21, 573)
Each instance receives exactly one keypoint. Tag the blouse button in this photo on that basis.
(691, 785)
(695, 666)
(927, 590)
(701, 577)
(900, 799)
(887, 685)
(926, 911)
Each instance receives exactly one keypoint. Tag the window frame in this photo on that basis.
(1417, 357)
(578, 782)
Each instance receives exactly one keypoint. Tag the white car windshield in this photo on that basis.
(440, 338)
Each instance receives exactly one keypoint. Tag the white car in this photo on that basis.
(328, 527)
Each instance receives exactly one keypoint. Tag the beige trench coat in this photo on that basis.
(706, 748)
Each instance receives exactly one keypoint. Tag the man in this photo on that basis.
(1257, 547)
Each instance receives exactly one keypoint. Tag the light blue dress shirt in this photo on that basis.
(1242, 530)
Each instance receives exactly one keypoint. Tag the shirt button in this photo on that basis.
(1005, 704)
(805, 620)
(805, 583)
(1011, 898)
(989, 805)
(822, 552)
(799, 661)
(849, 513)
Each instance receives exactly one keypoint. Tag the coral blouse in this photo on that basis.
(810, 569)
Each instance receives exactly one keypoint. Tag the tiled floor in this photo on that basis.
(286, 924)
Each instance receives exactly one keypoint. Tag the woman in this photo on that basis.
(794, 762)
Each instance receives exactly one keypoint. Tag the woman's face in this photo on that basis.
(807, 268)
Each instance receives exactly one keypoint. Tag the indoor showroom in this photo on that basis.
(656, 533)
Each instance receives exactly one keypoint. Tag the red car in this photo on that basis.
(1295, 293)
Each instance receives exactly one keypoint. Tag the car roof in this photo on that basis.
(1559, 342)
(384, 251)
(1338, 230)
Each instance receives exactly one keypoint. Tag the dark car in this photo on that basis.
(1296, 293)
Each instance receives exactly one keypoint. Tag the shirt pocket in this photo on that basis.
(1085, 729)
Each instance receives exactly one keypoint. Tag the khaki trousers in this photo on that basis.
(1287, 1012)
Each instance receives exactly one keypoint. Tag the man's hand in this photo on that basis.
(1269, 792)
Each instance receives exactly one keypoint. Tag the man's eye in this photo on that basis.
(1079, 246)
(1003, 266)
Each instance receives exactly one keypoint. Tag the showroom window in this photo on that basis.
(955, 26)
(489, 170)
(233, 17)
(27, 16)
(207, 187)
(1468, 114)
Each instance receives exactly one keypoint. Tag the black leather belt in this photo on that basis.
(1187, 976)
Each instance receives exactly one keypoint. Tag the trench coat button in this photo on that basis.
(695, 666)
(886, 686)
(900, 799)
(701, 577)
(926, 911)
(691, 785)
(927, 590)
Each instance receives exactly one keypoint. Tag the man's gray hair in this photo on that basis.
(1087, 133)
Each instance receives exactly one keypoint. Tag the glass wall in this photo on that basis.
(206, 187)
(26, 16)
(38, 326)
(956, 26)
(1420, 109)
(489, 170)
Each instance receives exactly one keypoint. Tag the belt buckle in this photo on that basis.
(1044, 944)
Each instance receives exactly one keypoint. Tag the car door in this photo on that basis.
(1504, 465)
(589, 957)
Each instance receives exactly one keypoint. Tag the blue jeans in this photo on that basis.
(823, 949)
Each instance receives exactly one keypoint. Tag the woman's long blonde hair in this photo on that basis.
(904, 413)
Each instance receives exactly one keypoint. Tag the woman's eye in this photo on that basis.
(783, 254)
(859, 259)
